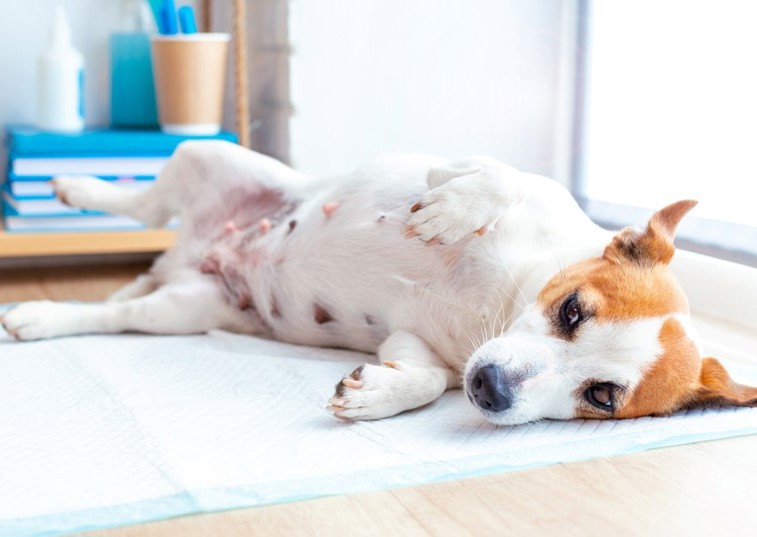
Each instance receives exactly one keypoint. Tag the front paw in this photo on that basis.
(367, 393)
(459, 209)
(39, 320)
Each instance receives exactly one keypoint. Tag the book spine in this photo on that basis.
(29, 142)
(14, 177)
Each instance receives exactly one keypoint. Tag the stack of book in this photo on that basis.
(130, 158)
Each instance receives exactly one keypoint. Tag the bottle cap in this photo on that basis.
(60, 35)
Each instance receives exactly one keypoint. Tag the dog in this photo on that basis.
(464, 273)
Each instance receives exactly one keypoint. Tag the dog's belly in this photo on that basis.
(336, 270)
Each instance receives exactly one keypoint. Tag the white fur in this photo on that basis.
(430, 306)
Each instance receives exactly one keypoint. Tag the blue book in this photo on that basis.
(64, 222)
(26, 188)
(45, 207)
(37, 168)
(30, 142)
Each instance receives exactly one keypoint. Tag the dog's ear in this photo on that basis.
(655, 243)
(717, 388)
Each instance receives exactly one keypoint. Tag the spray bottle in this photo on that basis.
(60, 81)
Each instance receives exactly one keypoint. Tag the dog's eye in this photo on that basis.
(570, 312)
(601, 396)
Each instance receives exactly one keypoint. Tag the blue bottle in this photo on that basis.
(132, 89)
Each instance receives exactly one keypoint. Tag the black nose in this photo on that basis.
(490, 389)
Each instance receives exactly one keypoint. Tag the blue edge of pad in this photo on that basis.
(222, 499)
(227, 498)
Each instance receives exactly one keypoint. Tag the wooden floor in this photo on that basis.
(700, 489)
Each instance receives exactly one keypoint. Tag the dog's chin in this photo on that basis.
(510, 417)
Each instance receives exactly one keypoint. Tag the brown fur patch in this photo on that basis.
(669, 381)
(717, 388)
(321, 315)
(615, 291)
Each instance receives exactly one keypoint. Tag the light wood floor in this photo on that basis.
(700, 489)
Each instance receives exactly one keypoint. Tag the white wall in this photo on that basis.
(454, 78)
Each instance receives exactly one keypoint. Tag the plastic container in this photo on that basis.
(132, 87)
(60, 81)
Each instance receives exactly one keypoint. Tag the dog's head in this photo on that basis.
(609, 337)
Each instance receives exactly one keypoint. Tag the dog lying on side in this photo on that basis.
(463, 273)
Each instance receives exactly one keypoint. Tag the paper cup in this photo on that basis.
(190, 72)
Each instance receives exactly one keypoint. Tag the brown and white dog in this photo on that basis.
(464, 273)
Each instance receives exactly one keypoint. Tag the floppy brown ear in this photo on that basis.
(717, 388)
(655, 243)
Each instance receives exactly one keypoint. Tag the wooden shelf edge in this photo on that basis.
(90, 242)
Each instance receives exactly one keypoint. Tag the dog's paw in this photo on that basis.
(463, 207)
(39, 320)
(80, 191)
(369, 393)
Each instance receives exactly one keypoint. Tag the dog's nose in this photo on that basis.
(490, 389)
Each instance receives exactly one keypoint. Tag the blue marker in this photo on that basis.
(187, 20)
(168, 18)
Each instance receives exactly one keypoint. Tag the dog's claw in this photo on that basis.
(392, 364)
(352, 383)
(416, 207)
(481, 231)
(409, 232)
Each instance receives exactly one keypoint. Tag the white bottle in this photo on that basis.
(60, 82)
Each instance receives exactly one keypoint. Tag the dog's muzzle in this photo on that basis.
(489, 389)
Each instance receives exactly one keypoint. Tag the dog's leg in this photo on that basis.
(410, 376)
(199, 173)
(144, 284)
(184, 307)
(466, 198)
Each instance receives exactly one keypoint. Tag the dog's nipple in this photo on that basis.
(329, 208)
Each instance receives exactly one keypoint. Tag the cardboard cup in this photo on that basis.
(190, 72)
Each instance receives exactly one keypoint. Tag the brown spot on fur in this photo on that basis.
(416, 207)
(210, 265)
(292, 225)
(615, 292)
(320, 315)
(717, 388)
(245, 301)
(275, 312)
(668, 383)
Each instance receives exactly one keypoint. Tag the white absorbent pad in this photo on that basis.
(109, 430)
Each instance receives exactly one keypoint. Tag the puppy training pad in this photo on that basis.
(102, 431)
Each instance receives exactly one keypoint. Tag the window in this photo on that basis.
(669, 112)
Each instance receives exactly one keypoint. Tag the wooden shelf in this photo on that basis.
(90, 242)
